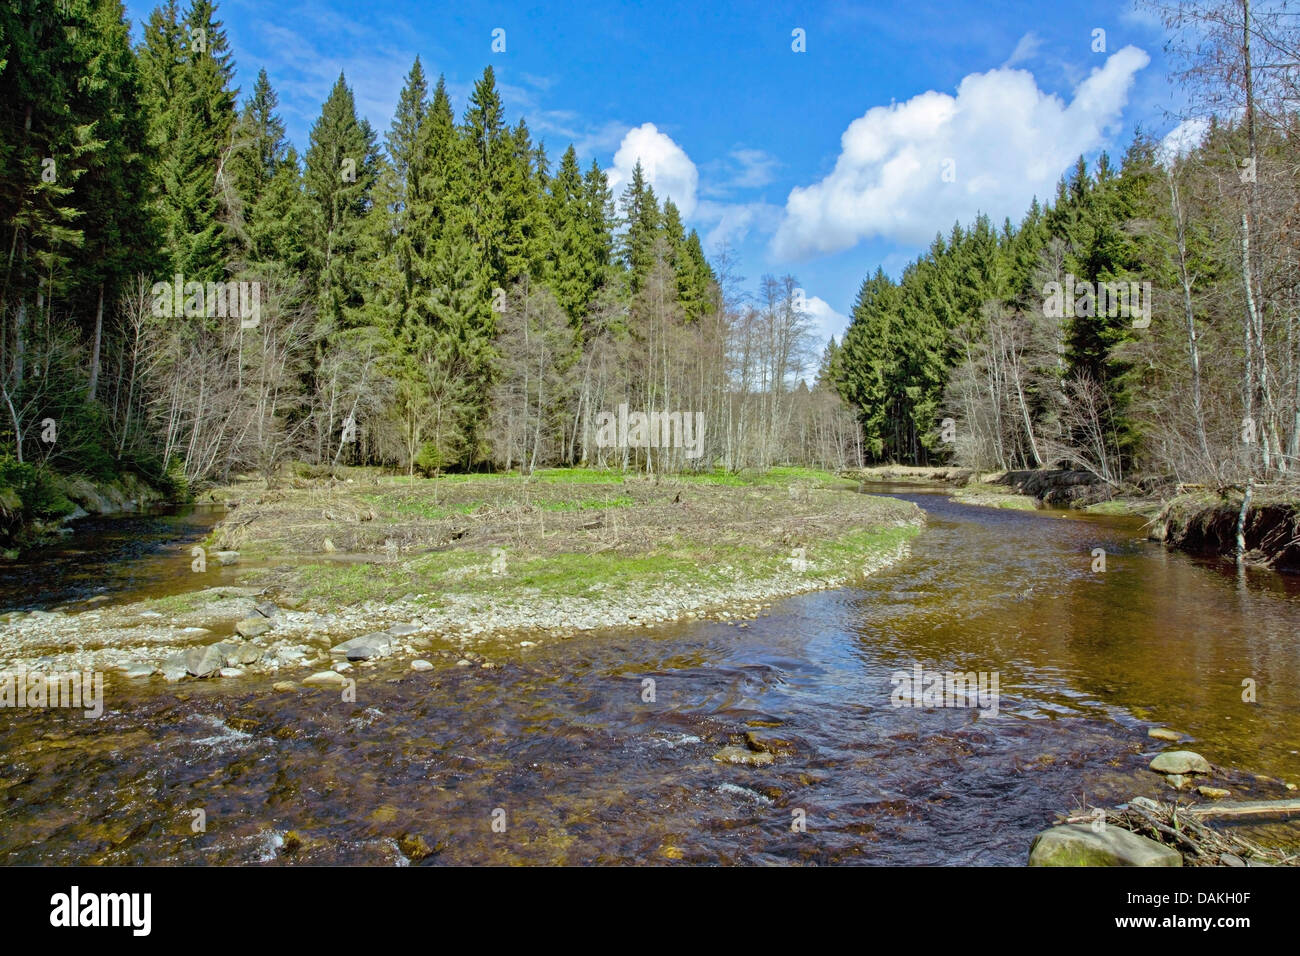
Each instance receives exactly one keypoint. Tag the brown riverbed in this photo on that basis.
(561, 739)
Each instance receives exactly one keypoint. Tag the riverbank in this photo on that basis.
(36, 504)
(1196, 520)
(1206, 522)
(472, 569)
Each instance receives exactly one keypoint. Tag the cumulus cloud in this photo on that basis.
(1183, 138)
(665, 164)
(1001, 140)
(829, 323)
(733, 222)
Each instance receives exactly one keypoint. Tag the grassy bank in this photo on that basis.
(571, 533)
(464, 566)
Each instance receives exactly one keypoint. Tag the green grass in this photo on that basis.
(777, 475)
(576, 575)
(1115, 507)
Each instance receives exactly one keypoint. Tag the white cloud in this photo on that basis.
(754, 168)
(1026, 49)
(733, 222)
(828, 322)
(665, 164)
(1007, 140)
(1183, 138)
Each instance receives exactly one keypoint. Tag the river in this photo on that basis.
(558, 757)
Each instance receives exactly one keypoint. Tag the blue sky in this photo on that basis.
(896, 120)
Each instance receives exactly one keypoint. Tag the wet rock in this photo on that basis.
(252, 627)
(174, 669)
(1213, 793)
(231, 672)
(764, 741)
(325, 679)
(742, 755)
(1231, 859)
(414, 847)
(462, 663)
(421, 665)
(247, 654)
(226, 558)
(288, 656)
(364, 648)
(229, 653)
(284, 686)
(136, 671)
(1181, 762)
(402, 630)
(1164, 733)
(342, 667)
(266, 609)
(204, 661)
(1076, 844)
(1177, 781)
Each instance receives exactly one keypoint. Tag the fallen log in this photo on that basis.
(1244, 808)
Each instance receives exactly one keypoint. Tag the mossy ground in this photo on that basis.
(563, 533)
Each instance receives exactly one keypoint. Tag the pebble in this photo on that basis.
(421, 665)
(326, 679)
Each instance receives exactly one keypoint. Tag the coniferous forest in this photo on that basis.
(409, 461)
(443, 295)
(440, 295)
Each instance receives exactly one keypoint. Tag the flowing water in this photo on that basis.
(557, 757)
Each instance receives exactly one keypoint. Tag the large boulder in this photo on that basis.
(1180, 761)
(204, 661)
(1077, 844)
(252, 627)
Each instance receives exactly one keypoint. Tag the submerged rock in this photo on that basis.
(378, 644)
(1179, 762)
(1076, 844)
(1164, 733)
(225, 558)
(1213, 793)
(762, 741)
(741, 755)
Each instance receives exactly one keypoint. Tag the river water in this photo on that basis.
(558, 757)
